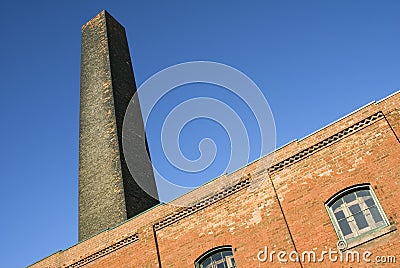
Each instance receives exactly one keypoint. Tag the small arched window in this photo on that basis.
(355, 211)
(221, 257)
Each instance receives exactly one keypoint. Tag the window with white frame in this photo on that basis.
(356, 211)
(221, 257)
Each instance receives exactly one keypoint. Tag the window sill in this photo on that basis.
(365, 238)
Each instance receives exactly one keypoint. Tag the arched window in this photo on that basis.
(221, 257)
(356, 211)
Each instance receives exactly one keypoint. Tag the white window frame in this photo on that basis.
(356, 233)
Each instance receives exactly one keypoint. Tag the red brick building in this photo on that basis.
(339, 184)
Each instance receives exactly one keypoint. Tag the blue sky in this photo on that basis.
(315, 61)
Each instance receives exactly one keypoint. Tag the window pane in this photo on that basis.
(339, 215)
(206, 263)
(221, 265)
(363, 193)
(361, 221)
(337, 204)
(349, 197)
(217, 256)
(376, 215)
(370, 202)
(344, 226)
(355, 208)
